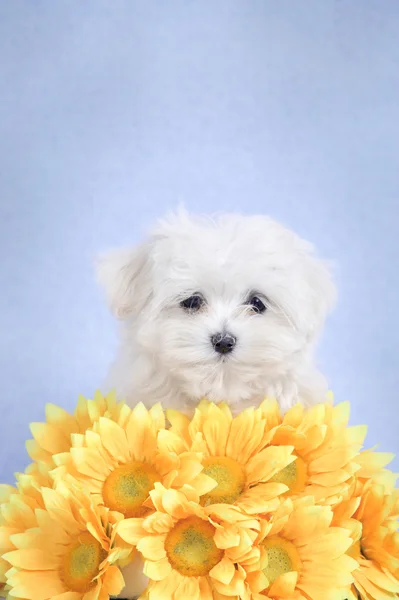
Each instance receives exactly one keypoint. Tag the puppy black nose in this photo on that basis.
(223, 342)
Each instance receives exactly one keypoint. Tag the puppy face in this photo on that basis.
(223, 305)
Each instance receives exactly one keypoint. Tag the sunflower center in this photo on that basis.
(128, 487)
(81, 563)
(282, 557)
(293, 475)
(230, 478)
(191, 549)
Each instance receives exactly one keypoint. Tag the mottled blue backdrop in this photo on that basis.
(113, 111)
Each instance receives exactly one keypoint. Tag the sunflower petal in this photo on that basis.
(268, 462)
(35, 585)
(152, 547)
(188, 588)
(114, 439)
(284, 586)
(157, 570)
(31, 559)
(223, 571)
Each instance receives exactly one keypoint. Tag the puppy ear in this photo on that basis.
(123, 274)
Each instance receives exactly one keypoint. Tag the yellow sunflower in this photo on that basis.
(54, 436)
(372, 519)
(17, 512)
(63, 551)
(372, 467)
(325, 448)
(234, 455)
(119, 463)
(191, 551)
(302, 556)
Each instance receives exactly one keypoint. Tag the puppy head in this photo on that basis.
(224, 305)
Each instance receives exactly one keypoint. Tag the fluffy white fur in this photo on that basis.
(166, 353)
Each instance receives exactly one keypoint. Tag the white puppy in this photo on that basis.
(226, 308)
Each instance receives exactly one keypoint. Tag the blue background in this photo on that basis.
(113, 112)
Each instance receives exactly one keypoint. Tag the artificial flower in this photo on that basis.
(191, 551)
(372, 467)
(234, 455)
(119, 463)
(54, 436)
(64, 550)
(372, 519)
(17, 512)
(325, 448)
(302, 556)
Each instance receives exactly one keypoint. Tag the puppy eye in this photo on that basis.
(256, 304)
(192, 303)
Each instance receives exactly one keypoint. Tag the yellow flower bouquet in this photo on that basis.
(260, 506)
